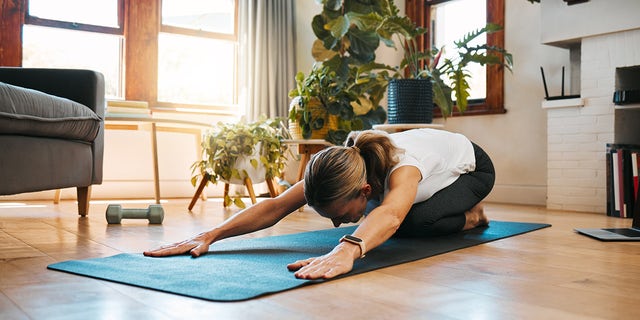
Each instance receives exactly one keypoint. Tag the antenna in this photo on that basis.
(562, 90)
(544, 82)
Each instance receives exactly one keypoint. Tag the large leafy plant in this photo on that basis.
(225, 143)
(346, 80)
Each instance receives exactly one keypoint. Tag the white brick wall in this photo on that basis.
(577, 136)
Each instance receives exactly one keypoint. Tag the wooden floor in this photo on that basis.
(553, 273)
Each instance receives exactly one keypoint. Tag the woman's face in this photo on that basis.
(349, 211)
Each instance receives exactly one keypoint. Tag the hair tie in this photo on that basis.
(355, 148)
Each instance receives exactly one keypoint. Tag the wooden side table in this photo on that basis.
(399, 127)
(153, 125)
(306, 148)
(247, 183)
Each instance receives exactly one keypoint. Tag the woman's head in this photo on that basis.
(337, 175)
(334, 174)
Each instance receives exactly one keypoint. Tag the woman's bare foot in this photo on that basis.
(475, 217)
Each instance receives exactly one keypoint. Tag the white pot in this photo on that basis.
(257, 175)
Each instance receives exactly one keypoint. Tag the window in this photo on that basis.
(175, 54)
(197, 49)
(78, 34)
(448, 20)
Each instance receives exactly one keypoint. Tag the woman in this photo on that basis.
(417, 183)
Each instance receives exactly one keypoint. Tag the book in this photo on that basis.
(128, 104)
(114, 109)
(634, 171)
(127, 115)
(616, 182)
(609, 175)
(623, 180)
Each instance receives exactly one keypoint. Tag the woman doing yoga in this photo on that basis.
(416, 183)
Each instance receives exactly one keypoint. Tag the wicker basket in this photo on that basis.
(410, 101)
(317, 111)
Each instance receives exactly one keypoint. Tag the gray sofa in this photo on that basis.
(51, 131)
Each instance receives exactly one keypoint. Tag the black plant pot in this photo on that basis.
(410, 101)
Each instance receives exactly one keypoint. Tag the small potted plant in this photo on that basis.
(242, 153)
(335, 99)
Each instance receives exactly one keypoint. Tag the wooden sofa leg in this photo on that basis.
(56, 197)
(84, 195)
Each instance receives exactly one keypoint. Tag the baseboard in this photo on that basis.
(516, 194)
(527, 195)
(140, 189)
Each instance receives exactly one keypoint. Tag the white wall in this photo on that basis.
(562, 23)
(515, 140)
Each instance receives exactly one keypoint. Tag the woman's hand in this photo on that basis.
(338, 261)
(196, 246)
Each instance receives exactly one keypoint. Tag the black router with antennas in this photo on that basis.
(562, 95)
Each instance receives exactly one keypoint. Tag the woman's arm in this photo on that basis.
(257, 217)
(384, 221)
(379, 225)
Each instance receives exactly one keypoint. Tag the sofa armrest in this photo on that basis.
(82, 86)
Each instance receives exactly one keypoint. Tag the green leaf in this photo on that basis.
(239, 203)
(442, 97)
(338, 27)
(363, 45)
(317, 124)
(461, 89)
(227, 201)
(323, 34)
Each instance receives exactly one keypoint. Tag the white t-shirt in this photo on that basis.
(441, 156)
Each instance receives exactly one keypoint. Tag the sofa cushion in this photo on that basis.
(33, 113)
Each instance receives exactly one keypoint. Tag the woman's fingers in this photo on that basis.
(195, 246)
(199, 250)
(323, 267)
(299, 264)
(169, 250)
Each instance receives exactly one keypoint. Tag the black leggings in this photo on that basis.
(444, 212)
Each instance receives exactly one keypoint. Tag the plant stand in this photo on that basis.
(247, 183)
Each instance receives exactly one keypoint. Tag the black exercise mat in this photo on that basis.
(244, 269)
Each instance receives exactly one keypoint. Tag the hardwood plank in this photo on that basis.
(552, 273)
(9, 310)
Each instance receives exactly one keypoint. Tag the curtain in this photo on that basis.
(266, 57)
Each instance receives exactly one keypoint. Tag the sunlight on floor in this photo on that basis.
(118, 201)
(19, 205)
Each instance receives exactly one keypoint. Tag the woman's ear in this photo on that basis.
(366, 190)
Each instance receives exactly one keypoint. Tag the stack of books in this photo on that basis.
(623, 161)
(128, 109)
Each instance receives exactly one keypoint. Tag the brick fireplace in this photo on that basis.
(579, 129)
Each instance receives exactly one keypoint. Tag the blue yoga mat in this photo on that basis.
(244, 269)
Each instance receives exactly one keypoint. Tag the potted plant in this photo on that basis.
(448, 76)
(243, 153)
(335, 99)
(345, 82)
